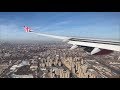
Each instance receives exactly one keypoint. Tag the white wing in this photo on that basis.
(109, 45)
(96, 45)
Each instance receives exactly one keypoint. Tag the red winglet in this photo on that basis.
(27, 29)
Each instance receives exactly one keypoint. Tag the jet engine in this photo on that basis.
(73, 47)
(97, 51)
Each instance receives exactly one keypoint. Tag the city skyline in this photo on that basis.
(76, 24)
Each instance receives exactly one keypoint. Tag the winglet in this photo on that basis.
(27, 29)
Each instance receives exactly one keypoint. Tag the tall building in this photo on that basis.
(67, 74)
(57, 72)
(82, 61)
(119, 58)
(42, 60)
(77, 64)
(76, 58)
(54, 63)
(61, 73)
(84, 68)
(50, 74)
(50, 60)
(59, 63)
(47, 60)
(73, 70)
(42, 65)
(91, 73)
(79, 72)
(47, 64)
(33, 67)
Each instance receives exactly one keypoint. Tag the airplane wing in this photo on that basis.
(94, 46)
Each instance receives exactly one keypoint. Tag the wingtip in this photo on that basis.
(27, 29)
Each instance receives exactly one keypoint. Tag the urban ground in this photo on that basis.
(55, 60)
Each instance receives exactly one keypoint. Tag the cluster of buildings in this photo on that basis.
(79, 67)
(58, 73)
(54, 67)
(55, 61)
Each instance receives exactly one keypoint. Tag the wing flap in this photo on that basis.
(98, 45)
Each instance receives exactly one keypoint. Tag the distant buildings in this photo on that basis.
(47, 60)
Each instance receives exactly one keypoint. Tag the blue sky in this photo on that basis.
(77, 24)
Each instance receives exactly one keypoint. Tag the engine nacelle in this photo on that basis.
(66, 40)
(95, 50)
(73, 47)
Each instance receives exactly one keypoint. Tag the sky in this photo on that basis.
(104, 25)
